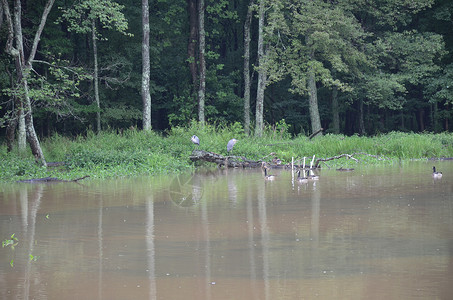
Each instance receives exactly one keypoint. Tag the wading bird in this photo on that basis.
(436, 174)
(195, 140)
(230, 144)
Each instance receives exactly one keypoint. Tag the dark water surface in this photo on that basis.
(374, 233)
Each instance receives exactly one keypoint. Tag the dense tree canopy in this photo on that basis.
(368, 66)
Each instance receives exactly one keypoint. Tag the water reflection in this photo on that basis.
(384, 232)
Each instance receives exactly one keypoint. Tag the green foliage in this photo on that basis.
(136, 153)
(81, 15)
(393, 56)
(12, 242)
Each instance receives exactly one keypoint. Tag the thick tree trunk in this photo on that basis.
(335, 112)
(192, 44)
(313, 102)
(202, 76)
(24, 67)
(146, 69)
(262, 76)
(22, 132)
(312, 92)
(30, 129)
(96, 76)
(247, 84)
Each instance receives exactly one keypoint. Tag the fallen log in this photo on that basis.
(226, 161)
(334, 157)
(349, 156)
(50, 180)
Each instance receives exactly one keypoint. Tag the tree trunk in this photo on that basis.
(146, 69)
(22, 132)
(335, 112)
(312, 92)
(435, 117)
(191, 45)
(20, 69)
(313, 102)
(361, 118)
(262, 76)
(247, 84)
(96, 76)
(30, 129)
(24, 67)
(10, 133)
(202, 76)
(421, 118)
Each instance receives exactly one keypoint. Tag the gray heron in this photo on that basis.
(195, 140)
(230, 144)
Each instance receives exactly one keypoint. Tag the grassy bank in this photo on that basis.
(137, 153)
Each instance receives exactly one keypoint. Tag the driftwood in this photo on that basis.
(349, 156)
(226, 161)
(335, 157)
(50, 180)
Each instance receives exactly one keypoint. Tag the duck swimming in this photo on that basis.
(268, 177)
(312, 176)
(436, 174)
(301, 179)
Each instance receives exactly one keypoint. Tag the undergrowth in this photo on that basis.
(137, 153)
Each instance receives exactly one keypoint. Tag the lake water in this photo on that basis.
(374, 233)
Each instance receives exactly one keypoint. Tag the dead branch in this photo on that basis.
(51, 180)
(335, 157)
(315, 133)
(349, 156)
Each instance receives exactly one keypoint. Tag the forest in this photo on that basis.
(349, 66)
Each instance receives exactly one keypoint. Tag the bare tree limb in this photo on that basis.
(38, 33)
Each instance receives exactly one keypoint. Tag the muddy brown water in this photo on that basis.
(374, 233)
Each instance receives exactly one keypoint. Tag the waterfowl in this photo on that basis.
(312, 176)
(436, 174)
(301, 179)
(268, 177)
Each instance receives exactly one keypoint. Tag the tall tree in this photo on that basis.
(262, 74)
(202, 62)
(314, 40)
(24, 67)
(83, 17)
(247, 84)
(146, 69)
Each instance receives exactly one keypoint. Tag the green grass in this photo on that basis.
(138, 153)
